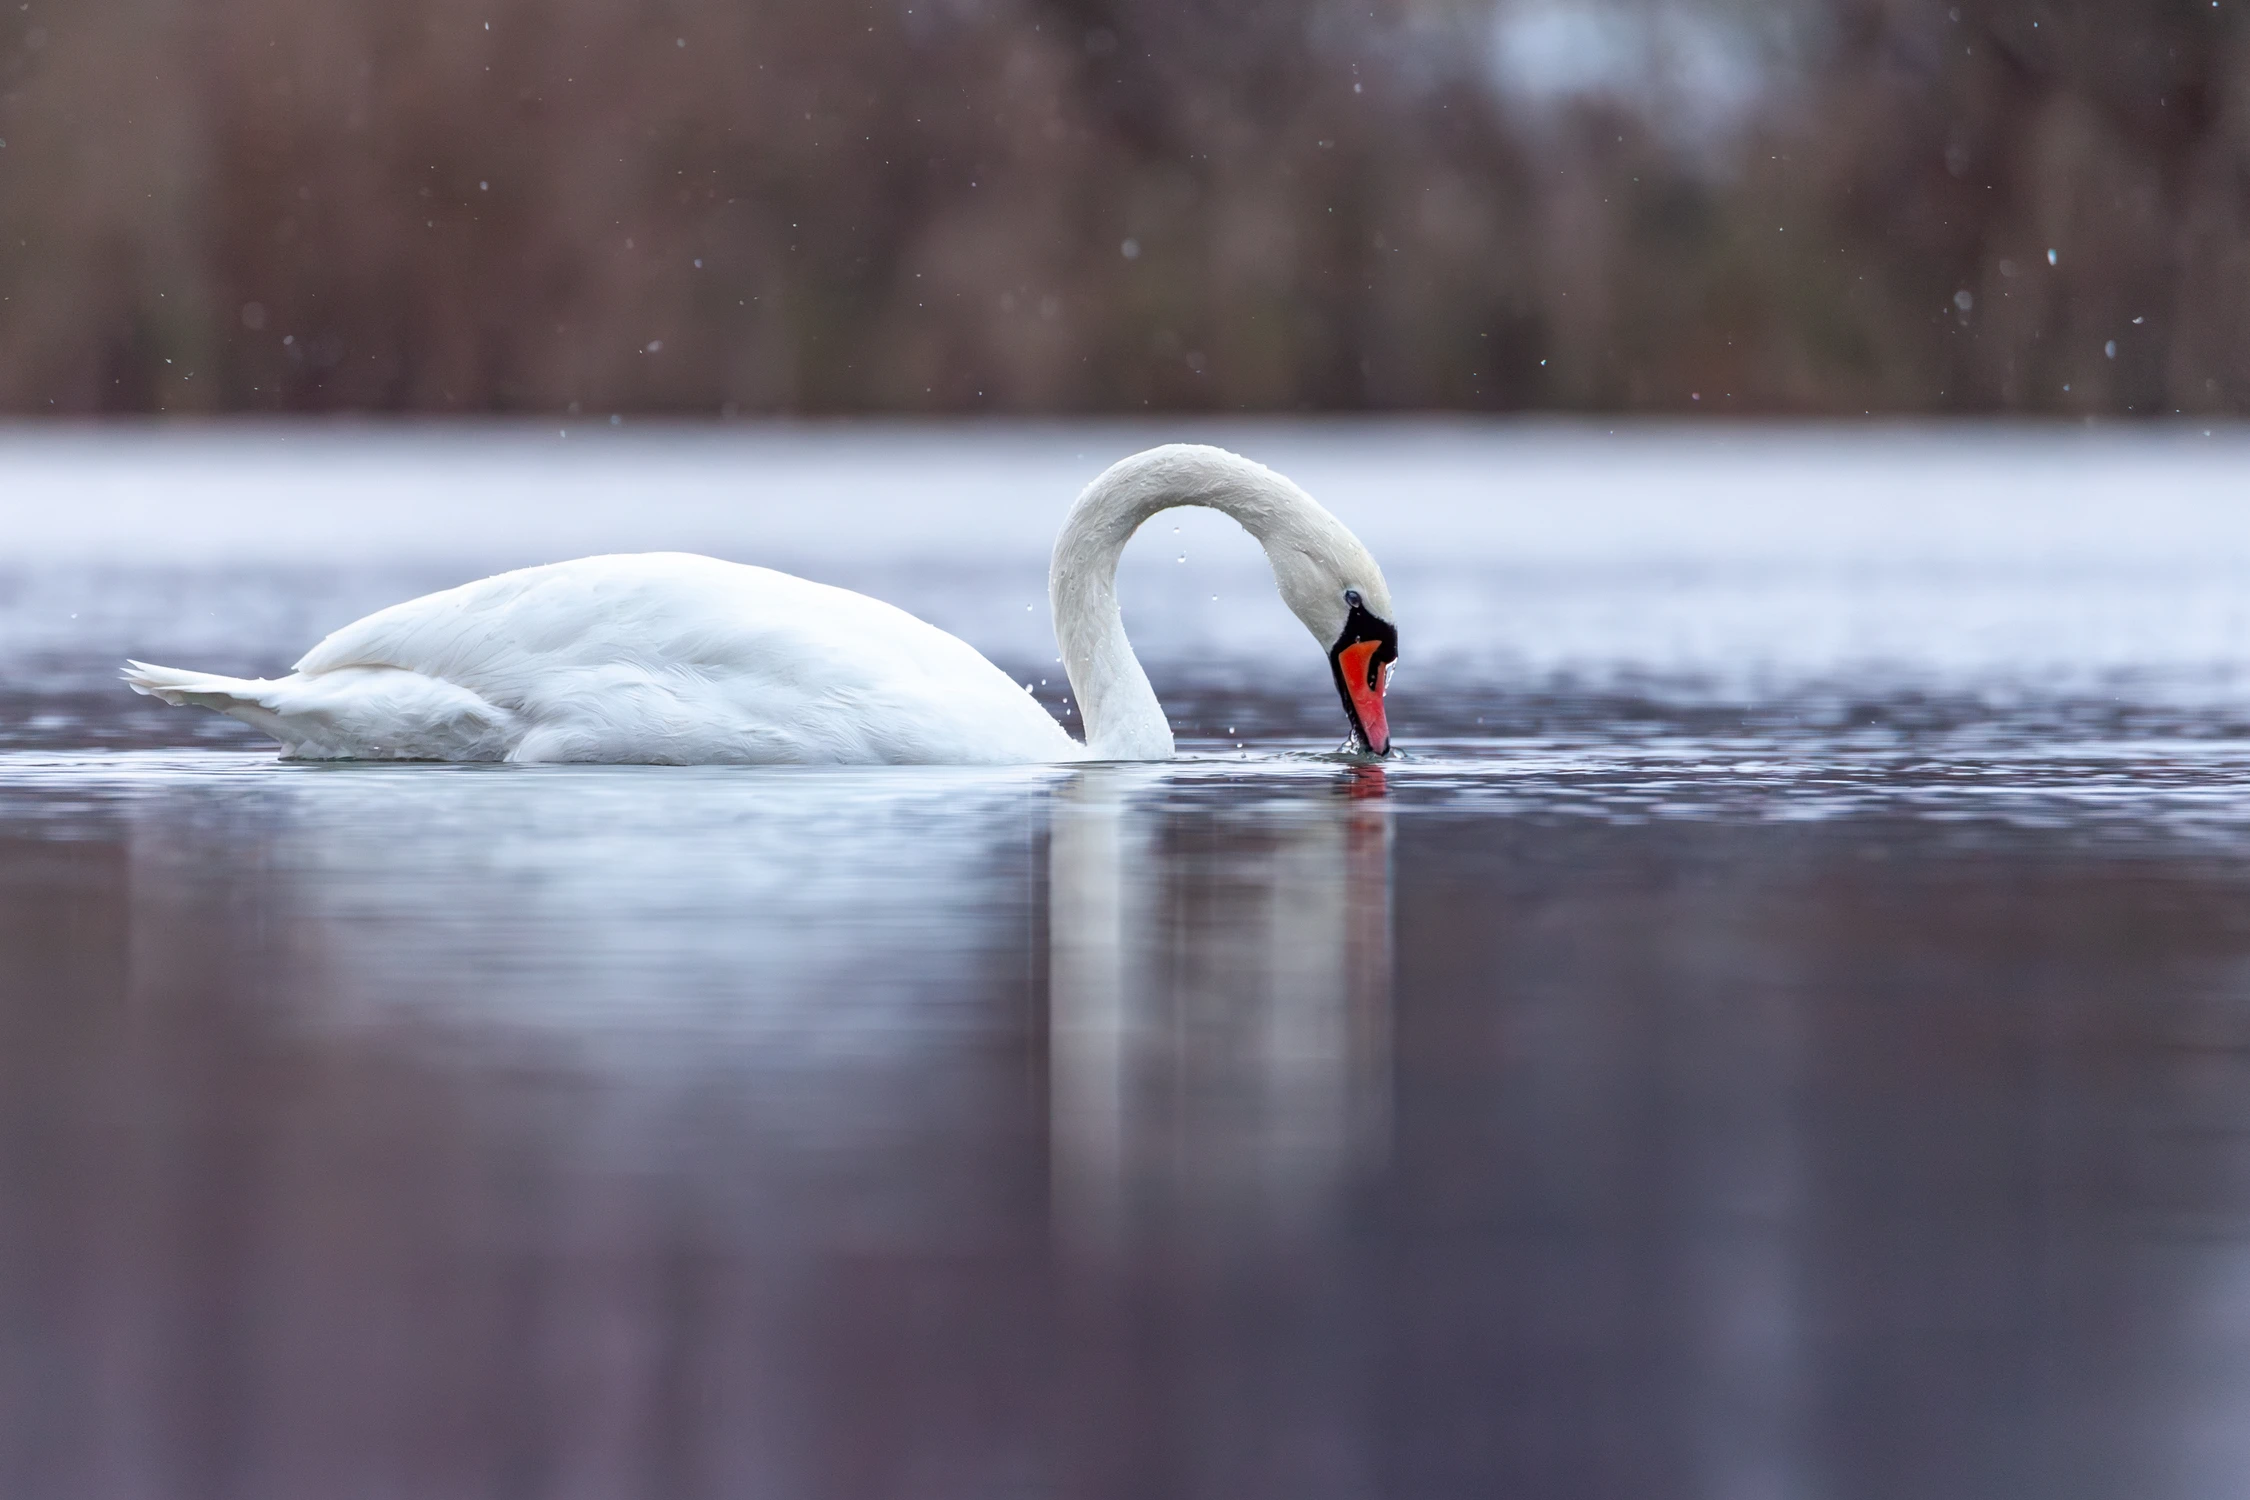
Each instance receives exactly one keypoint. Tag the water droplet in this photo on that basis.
(2050, 257)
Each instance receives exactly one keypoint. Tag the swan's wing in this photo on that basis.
(540, 615)
(705, 660)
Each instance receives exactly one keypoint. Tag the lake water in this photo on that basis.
(1782, 1030)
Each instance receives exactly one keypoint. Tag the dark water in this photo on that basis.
(1739, 1117)
(1700, 1070)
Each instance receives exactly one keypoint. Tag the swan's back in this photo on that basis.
(661, 611)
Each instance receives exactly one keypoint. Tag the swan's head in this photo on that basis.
(1332, 584)
(1361, 661)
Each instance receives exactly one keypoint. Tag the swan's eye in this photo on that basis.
(1351, 597)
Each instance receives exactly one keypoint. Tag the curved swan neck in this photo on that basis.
(1123, 719)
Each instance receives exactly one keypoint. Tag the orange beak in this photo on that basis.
(1365, 682)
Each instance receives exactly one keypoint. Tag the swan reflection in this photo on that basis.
(1220, 983)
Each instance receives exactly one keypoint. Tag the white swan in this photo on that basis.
(675, 659)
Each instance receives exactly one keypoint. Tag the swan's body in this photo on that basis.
(657, 657)
(676, 659)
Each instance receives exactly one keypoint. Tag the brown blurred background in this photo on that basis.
(737, 206)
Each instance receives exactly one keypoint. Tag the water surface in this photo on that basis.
(1784, 1031)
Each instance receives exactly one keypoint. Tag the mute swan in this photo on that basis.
(675, 659)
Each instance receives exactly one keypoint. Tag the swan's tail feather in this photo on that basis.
(242, 698)
(202, 689)
(353, 713)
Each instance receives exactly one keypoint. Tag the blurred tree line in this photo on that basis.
(1096, 205)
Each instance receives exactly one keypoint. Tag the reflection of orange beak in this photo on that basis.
(1366, 682)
